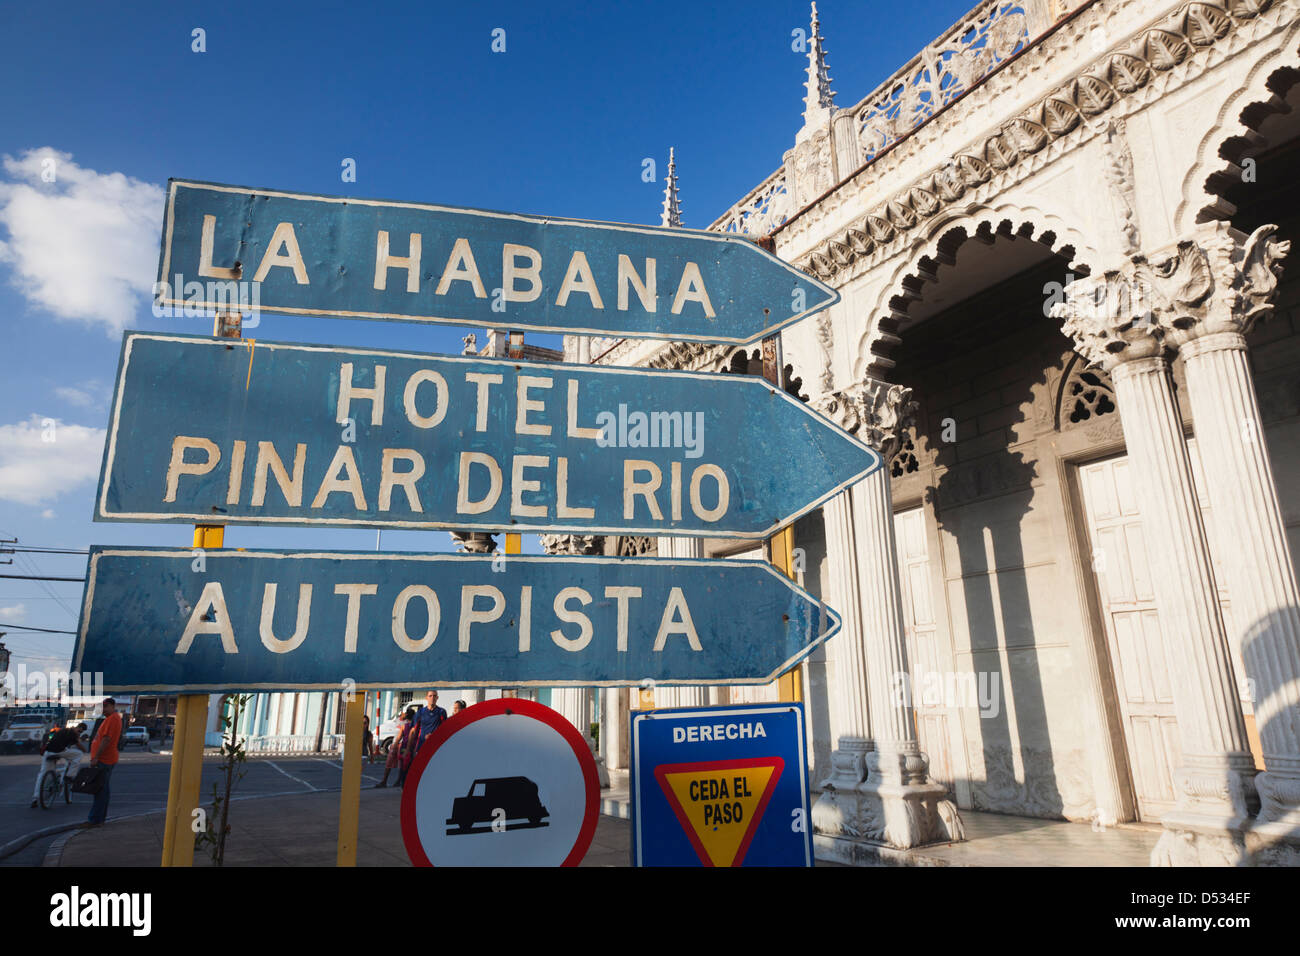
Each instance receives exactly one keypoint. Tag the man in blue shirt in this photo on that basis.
(428, 719)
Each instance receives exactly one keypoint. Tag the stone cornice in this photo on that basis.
(1175, 49)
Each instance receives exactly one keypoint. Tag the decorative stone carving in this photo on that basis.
(1122, 181)
(1118, 75)
(474, 542)
(826, 340)
(940, 73)
(1086, 395)
(636, 547)
(810, 167)
(877, 412)
(572, 543)
(1230, 277)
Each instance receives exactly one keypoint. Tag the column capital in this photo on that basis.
(1111, 317)
(1229, 280)
(1216, 280)
(571, 543)
(877, 412)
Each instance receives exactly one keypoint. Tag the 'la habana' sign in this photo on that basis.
(375, 259)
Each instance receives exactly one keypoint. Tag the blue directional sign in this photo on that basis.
(375, 259)
(720, 786)
(211, 431)
(179, 620)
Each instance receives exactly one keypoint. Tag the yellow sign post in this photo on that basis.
(191, 709)
(780, 547)
(187, 752)
(350, 798)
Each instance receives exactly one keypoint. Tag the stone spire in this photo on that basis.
(672, 214)
(819, 99)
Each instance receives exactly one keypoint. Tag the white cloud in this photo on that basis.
(34, 470)
(48, 513)
(83, 247)
(91, 394)
(14, 614)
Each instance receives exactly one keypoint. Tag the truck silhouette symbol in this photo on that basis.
(516, 797)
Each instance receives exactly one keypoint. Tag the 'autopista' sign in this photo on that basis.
(191, 621)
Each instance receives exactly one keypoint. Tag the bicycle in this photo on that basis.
(50, 784)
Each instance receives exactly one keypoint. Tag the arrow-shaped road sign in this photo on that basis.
(175, 620)
(376, 259)
(212, 431)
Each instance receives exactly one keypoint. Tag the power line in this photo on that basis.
(39, 550)
(43, 630)
(41, 577)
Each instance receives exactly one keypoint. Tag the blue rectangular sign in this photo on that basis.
(720, 786)
(211, 431)
(179, 620)
(374, 259)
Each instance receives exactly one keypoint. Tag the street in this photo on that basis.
(140, 785)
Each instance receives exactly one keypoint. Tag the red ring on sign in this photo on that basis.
(494, 708)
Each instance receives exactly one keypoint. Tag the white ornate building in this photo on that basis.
(1060, 237)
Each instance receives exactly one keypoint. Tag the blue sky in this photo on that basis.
(559, 124)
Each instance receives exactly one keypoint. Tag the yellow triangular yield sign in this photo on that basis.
(719, 803)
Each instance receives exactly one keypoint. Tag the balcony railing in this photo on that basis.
(956, 62)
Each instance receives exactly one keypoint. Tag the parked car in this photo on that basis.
(23, 735)
(516, 796)
(135, 735)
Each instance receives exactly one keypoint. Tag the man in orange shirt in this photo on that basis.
(103, 753)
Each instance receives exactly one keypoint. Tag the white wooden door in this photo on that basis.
(924, 656)
(1138, 654)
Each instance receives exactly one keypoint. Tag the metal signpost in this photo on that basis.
(375, 259)
(270, 433)
(506, 782)
(284, 620)
(721, 786)
(217, 431)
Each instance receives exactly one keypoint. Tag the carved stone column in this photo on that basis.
(896, 804)
(1120, 321)
(576, 705)
(1226, 284)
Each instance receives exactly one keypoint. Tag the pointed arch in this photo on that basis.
(939, 248)
(1233, 133)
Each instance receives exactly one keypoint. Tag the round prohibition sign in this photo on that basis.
(505, 782)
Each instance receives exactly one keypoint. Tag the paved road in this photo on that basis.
(140, 784)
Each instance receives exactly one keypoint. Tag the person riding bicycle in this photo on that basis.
(59, 745)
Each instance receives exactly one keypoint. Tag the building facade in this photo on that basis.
(1068, 322)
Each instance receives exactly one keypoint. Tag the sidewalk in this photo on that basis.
(296, 830)
(302, 829)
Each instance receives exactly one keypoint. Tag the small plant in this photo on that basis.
(233, 757)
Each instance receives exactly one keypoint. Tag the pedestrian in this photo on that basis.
(59, 744)
(103, 754)
(457, 707)
(394, 758)
(428, 718)
(367, 739)
(407, 749)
